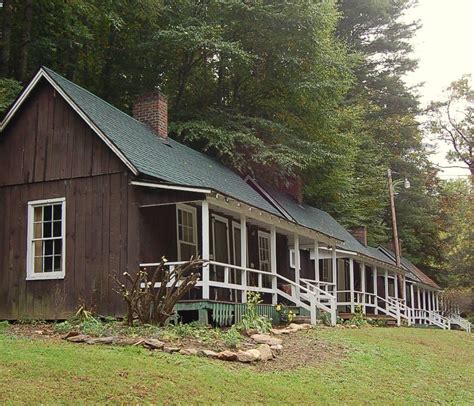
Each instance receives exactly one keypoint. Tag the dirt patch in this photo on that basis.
(304, 348)
(35, 331)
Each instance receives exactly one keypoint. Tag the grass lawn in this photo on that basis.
(382, 366)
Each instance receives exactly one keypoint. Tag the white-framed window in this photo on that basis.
(293, 258)
(46, 250)
(264, 251)
(186, 231)
(236, 243)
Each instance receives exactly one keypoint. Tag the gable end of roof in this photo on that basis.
(42, 73)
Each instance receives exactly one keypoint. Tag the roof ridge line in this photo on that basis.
(46, 69)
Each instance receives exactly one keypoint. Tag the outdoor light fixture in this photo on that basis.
(406, 184)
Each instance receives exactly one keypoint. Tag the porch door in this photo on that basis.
(220, 248)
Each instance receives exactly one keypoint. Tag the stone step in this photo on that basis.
(301, 320)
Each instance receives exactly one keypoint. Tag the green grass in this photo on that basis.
(383, 366)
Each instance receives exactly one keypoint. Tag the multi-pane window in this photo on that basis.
(187, 232)
(46, 239)
(264, 251)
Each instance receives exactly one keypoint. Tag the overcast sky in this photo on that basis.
(444, 46)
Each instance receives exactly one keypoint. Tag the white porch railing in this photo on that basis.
(380, 305)
(305, 294)
(431, 317)
(463, 323)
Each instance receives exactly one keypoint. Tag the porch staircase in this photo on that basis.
(309, 296)
(464, 324)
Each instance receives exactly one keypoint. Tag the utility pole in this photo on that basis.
(396, 242)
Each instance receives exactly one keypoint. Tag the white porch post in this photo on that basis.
(412, 296)
(418, 303)
(351, 283)
(374, 277)
(437, 301)
(404, 284)
(386, 284)
(243, 255)
(205, 248)
(430, 301)
(273, 263)
(316, 267)
(334, 269)
(395, 282)
(297, 264)
(316, 262)
(423, 293)
(362, 285)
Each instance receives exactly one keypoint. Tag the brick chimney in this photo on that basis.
(294, 187)
(360, 233)
(152, 108)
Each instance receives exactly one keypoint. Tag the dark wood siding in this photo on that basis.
(47, 140)
(98, 244)
(47, 151)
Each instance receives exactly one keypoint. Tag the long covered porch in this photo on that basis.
(248, 250)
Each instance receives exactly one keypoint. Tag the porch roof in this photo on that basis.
(413, 272)
(160, 158)
(312, 217)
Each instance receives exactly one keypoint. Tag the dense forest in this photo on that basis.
(306, 88)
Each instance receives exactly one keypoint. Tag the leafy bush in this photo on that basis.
(285, 315)
(326, 318)
(3, 326)
(377, 322)
(358, 318)
(251, 320)
(231, 337)
(63, 327)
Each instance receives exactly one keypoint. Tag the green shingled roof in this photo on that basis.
(317, 219)
(163, 159)
(413, 272)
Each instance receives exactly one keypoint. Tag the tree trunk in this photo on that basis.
(25, 42)
(6, 37)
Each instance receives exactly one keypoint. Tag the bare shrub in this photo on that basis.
(151, 295)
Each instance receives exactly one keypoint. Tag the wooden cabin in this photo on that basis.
(87, 191)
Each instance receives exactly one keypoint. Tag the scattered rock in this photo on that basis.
(280, 331)
(296, 327)
(207, 353)
(266, 339)
(40, 332)
(276, 349)
(80, 338)
(71, 334)
(265, 352)
(353, 326)
(226, 356)
(101, 340)
(248, 356)
(170, 350)
(153, 344)
(188, 351)
(130, 341)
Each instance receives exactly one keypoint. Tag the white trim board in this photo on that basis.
(43, 74)
(171, 187)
